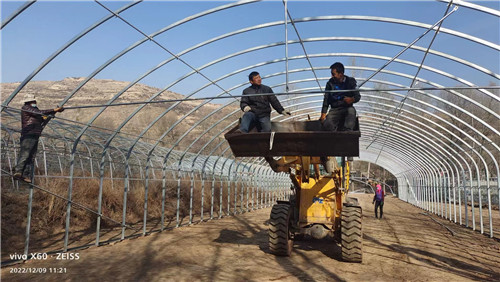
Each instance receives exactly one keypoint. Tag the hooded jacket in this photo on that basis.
(336, 100)
(260, 105)
(32, 120)
(379, 194)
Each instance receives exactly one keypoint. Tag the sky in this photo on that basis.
(42, 29)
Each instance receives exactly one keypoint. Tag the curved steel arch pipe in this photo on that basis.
(419, 162)
(473, 6)
(402, 22)
(132, 47)
(224, 58)
(458, 79)
(477, 168)
(471, 148)
(460, 109)
(426, 171)
(423, 125)
(16, 13)
(431, 106)
(427, 129)
(441, 110)
(439, 156)
(139, 43)
(386, 161)
(60, 50)
(419, 168)
(456, 93)
(424, 93)
(145, 39)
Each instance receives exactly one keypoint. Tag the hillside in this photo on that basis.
(99, 91)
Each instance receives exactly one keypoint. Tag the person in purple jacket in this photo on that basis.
(33, 120)
(378, 200)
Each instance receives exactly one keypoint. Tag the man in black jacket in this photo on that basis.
(33, 121)
(257, 108)
(341, 103)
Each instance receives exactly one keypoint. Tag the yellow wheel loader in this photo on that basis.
(317, 162)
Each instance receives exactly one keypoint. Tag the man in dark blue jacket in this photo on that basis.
(33, 120)
(341, 103)
(256, 107)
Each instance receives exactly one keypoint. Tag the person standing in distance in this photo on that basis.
(257, 107)
(340, 103)
(33, 120)
(378, 200)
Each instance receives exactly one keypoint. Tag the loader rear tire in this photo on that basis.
(351, 234)
(280, 236)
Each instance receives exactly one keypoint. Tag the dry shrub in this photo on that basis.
(13, 220)
(49, 211)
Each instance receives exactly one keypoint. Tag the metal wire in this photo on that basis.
(409, 45)
(303, 47)
(417, 168)
(73, 202)
(16, 13)
(161, 46)
(402, 102)
(275, 93)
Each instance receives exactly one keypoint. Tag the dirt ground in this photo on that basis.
(407, 245)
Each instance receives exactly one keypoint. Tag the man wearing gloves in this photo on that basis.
(33, 120)
(257, 107)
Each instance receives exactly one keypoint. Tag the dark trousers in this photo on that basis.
(333, 121)
(250, 120)
(379, 204)
(29, 146)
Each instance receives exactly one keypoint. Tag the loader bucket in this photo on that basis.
(296, 138)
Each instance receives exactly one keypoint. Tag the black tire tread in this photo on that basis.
(280, 241)
(352, 234)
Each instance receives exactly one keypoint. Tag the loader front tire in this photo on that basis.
(351, 234)
(280, 235)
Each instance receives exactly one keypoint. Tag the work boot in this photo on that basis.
(18, 176)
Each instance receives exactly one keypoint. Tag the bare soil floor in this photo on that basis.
(406, 245)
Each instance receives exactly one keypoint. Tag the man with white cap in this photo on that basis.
(33, 121)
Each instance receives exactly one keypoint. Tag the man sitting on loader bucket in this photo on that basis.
(341, 103)
(256, 107)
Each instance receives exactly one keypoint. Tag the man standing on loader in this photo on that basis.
(341, 103)
(257, 107)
